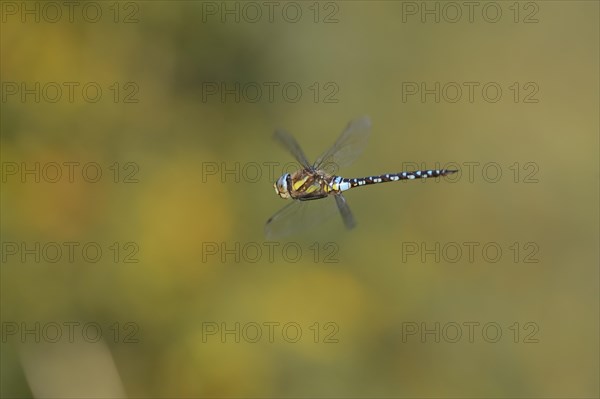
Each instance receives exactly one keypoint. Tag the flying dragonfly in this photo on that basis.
(316, 181)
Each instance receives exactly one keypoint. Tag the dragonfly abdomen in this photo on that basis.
(346, 184)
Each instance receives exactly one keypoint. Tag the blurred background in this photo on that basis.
(137, 172)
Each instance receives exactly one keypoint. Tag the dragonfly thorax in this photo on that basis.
(282, 186)
(307, 184)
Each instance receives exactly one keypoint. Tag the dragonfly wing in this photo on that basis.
(348, 146)
(299, 216)
(344, 209)
(289, 143)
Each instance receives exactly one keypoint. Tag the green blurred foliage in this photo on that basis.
(172, 132)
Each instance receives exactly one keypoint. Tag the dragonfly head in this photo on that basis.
(282, 186)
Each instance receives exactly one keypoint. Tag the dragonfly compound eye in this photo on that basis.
(281, 187)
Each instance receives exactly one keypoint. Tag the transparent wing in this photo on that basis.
(289, 143)
(299, 216)
(348, 146)
(344, 209)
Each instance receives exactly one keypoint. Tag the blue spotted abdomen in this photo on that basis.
(343, 184)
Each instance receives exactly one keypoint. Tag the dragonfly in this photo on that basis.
(317, 181)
